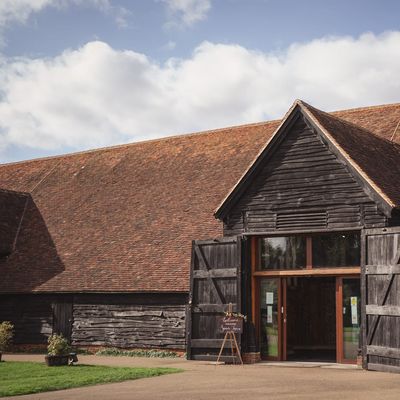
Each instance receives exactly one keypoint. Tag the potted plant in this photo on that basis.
(58, 351)
(6, 335)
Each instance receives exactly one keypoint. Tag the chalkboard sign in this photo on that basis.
(231, 324)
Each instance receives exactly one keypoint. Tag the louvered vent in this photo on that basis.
(300, 220)
(259, 220)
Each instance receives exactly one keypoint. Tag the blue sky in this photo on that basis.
(79, 74)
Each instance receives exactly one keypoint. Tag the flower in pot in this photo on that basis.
(6, 336)
(58, 350)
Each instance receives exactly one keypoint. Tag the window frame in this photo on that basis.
(309, 267)
(259, 255)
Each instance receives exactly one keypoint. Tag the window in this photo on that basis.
(324, 250)
(336, 250)
(284, 252)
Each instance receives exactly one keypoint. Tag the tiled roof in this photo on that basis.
(123, 218)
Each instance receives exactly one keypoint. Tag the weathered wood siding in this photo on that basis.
(303, 186)
(31, 315)
(123, 320)
(125, 325)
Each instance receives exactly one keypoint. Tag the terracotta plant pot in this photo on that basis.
(52, 361)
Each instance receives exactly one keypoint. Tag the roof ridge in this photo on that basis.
(207, 132)
(365, 108)
(161, 139)
(332, 115)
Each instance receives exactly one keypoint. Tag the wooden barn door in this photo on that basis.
(380, 285)
(62, 318)
(214, 283)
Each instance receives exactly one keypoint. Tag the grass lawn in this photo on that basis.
(32, 377)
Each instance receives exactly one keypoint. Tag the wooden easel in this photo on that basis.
(230, 335)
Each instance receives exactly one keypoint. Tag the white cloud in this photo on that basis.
(20, 10)
(186, 12)
(96, 96)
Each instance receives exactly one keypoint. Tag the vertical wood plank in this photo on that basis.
(189, 306)
(364, 294)
(280, 305)
(284, 322)
(339, 319)
(253, 279)
(239, 261)
(309, 252)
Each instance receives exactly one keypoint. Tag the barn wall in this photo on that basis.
(303, 186)
(125, 320)
(145, 321)
(32, 317)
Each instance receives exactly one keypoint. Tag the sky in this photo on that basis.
(82, 74)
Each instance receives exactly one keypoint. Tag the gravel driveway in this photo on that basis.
(201, 380)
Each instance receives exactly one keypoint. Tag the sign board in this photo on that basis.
(354, 313)
(269, 314)
(231, 324)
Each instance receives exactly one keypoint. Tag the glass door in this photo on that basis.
(270, 318)
(351, 318)
(348, 319)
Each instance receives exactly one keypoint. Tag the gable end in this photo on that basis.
(300, 111)
(303, 185)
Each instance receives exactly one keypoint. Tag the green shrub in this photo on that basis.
(58, 346)
(137, 353)
(6, 335)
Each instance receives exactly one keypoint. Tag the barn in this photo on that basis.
(295, 222)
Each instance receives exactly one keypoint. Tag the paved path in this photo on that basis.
(251, 382)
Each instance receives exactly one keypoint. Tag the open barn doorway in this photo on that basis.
(311, 318)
